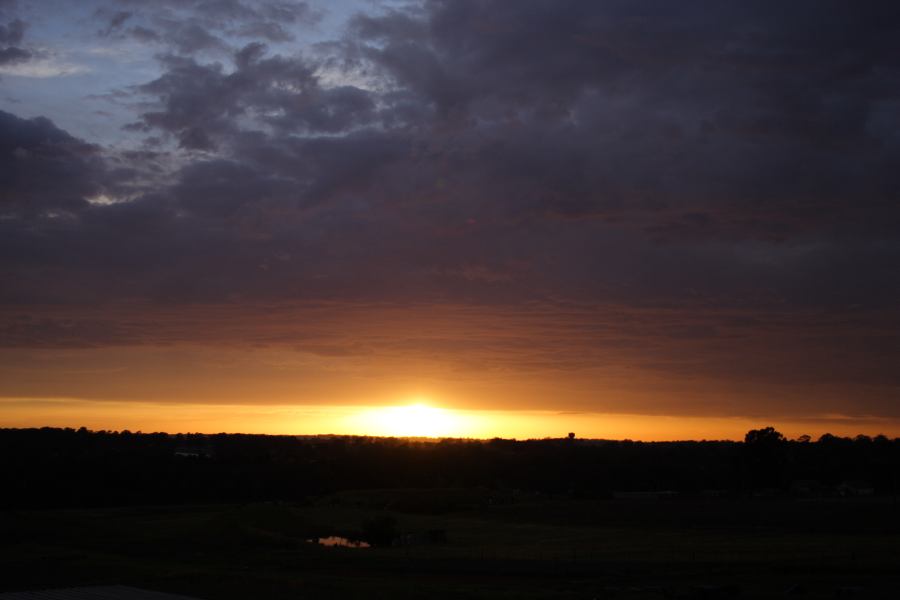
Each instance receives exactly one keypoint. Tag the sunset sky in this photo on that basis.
(639, 219)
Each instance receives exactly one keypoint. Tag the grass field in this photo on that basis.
(498, 546)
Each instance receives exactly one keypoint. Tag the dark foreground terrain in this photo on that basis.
(530, 548)
(75, 518)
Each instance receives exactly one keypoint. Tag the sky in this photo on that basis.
(632, 219)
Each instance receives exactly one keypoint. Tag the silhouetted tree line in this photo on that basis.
(67, 467)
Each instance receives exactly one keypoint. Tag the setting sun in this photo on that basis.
(412, 420)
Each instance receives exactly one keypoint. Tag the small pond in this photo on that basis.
(336, 540)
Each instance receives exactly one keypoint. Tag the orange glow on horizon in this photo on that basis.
(416, 419)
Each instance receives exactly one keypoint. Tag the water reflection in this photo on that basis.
(336, 540)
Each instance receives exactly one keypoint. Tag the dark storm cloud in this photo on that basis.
(639, 152)
(221, 188)
(188, 38)
(11, 54)
(202, 104)
(719, 177)
(12, 32)
(44, 169)
(115, 21)
(651, 105)
(11, 35)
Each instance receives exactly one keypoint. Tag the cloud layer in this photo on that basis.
(721, 179)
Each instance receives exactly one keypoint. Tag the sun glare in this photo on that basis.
(413, 420)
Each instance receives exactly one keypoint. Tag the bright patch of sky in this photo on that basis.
(83, 77)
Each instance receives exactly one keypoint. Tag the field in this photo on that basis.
(498, 545)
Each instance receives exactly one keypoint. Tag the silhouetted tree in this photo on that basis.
(768, 436)
(765, 451)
